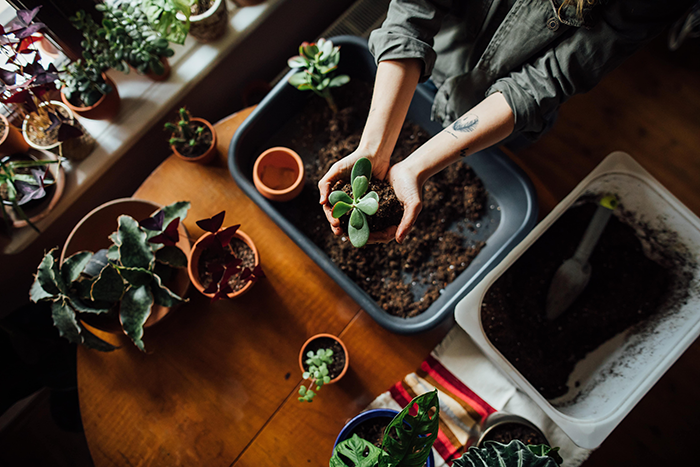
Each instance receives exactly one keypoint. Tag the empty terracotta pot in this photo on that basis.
(278, 174)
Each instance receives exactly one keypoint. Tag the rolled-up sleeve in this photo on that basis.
(580, 60)
(408, 32)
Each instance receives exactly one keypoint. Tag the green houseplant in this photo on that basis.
(163, 17)
(126, 279)
(192, 139)
(323, 359)
(317, 64)
(360, 205)
(513, 454)
(88, 91)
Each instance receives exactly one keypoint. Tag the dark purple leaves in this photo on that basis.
(67, 131)
(154, 223)
(170, 235)
(30, 191)
(212, 224)
(21, 25)
(8, 77)
(227, 234)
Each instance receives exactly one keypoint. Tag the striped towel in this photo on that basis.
(454, 362)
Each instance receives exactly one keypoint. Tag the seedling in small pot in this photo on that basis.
(227, 265)
(183, 132)
(317, 373)
(128, 277)
(317, 64)
(361, 205)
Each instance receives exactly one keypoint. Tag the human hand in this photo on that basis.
(409, 191)
(341, 170)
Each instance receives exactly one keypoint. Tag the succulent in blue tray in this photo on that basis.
(126, 279)
(360, 205)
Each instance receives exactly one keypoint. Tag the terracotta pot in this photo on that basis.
(210, 25)
(498, 419)
(278, 174)
(92, 234)
(45, 206)
(75, 149)
(11, 139)
(302, 354)
(196, 253)
(104, 109)
(161, 77)
(209, 154)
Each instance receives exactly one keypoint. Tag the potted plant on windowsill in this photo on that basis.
(89, 92)
(323, 359)
(125, 282)
(209, 20)
(192, 139)
(31, 183)
(223, 262)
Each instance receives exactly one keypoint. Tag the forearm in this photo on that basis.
(394, 86)
(488, 123)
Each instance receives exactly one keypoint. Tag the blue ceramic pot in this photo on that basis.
(388, 414)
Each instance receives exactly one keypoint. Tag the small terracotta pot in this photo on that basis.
(60, 182)
(104, 109)
(75, 149)
(278, 174)
(11, 139)
(92, 234)
(209, 154)
(302, 354)
(498, 419)
(196, 252)
(210, 25)
(166, 73)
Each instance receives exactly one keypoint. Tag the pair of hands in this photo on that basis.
(405, 183)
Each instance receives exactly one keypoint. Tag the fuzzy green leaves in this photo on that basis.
(514, 454)
(361, 205)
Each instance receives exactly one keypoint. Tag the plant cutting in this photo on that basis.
(407, 441)
(192, 139)
(24, 179)
(126, 280)
(360, 205)
(323, 359)
(223, 262)
(317, 64)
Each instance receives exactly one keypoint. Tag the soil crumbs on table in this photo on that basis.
(335, 368)
(625, 289)
(433, 254)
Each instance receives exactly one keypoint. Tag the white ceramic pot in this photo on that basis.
(75, 149)
(614, 377)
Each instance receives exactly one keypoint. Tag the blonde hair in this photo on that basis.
(579, 4)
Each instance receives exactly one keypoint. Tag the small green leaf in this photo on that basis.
(45, 274)
(340, 209)
(134, 311)
(82, 305)
(360, 452)
(357, 219)
(172, 256)
(65, 321)
(297, 62)
(74, 265)
(136, 277)
(113, 253)
(368, 205)
(176, 210)
(339, 196)
(37, 292)
(134, 251)
(339, 81)
(162, 295)
(359, 238)
(108, 287)
(297, 79)
(359, 187)
(373, 195)
(363, 166)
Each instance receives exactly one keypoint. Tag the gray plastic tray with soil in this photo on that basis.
(473, 214)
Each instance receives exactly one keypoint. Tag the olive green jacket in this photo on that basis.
(535, 53)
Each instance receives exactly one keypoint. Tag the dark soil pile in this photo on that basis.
(338, 364)
(433, 254)
(372, 430)
(625, 288)
(509, 431)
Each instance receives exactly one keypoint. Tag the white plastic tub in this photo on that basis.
(618, 374)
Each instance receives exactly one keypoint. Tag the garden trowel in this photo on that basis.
(573, 275)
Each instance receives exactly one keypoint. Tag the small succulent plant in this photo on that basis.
(360, 205)
(317, 64)
(162, 16)
(407, 441)
(182, 132)
(84, 85)
(20, 188)
(317, 373)
(128, 278)
(227, 265)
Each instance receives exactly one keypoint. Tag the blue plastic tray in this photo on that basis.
(511, 211)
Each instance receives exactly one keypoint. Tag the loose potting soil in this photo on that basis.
(625, 289)
(203, 143)
(335, 368)
(403, 279)
(240, 250)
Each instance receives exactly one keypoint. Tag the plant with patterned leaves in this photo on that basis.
(361, 205)
(126, 279)
(317, 64)
(317, 373)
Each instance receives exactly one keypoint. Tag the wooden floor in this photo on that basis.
(649, 108)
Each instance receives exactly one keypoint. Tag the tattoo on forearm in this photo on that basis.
(464, 152)
(466, 123)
